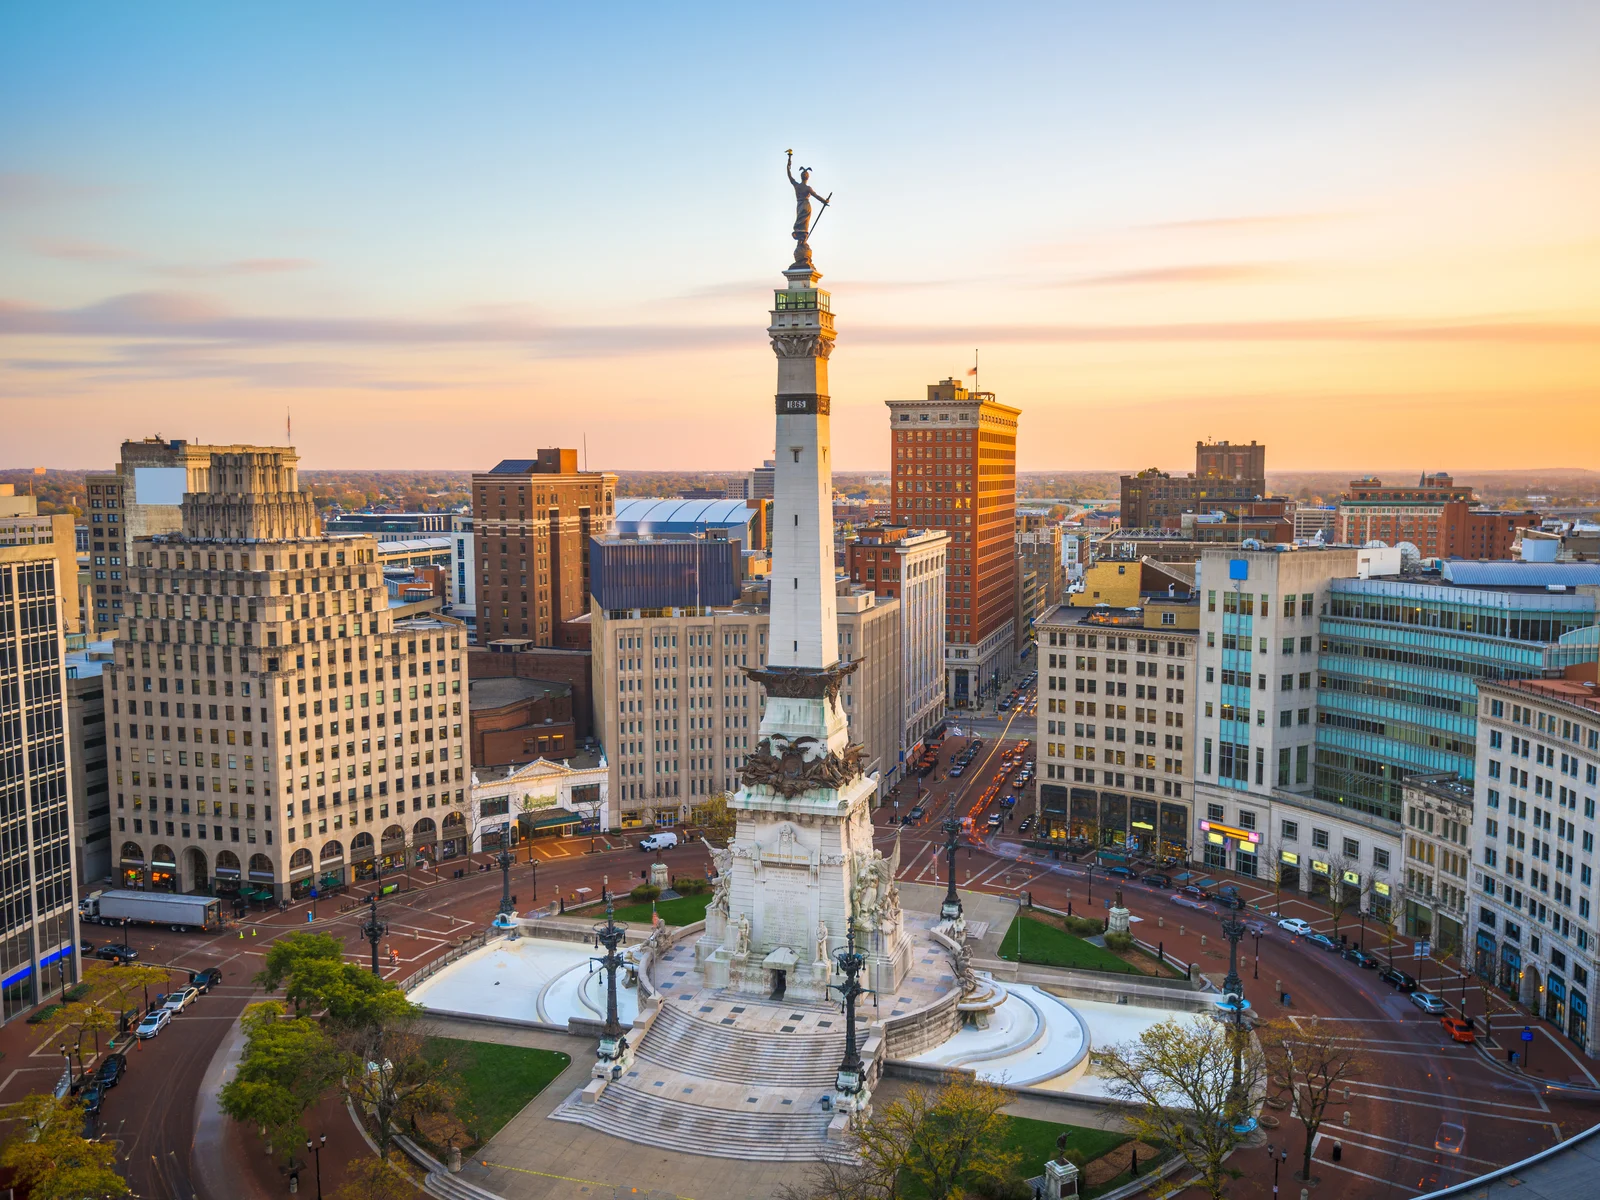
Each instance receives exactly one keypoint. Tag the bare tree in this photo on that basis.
(1179, 1074)
(1342, 895)
(1314, 1059)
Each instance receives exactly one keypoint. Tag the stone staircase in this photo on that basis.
(722, 1133)
(693, 1047)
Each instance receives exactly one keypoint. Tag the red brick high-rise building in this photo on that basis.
(533, 518)
(1436, 515)
(954, 467)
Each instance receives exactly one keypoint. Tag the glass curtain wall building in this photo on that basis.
(1399, 665)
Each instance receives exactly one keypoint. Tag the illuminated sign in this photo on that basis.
(1289, 857)
(1320, 868)
(1381, 888)
(1352, 877)
(1143, 825)
(1238, 835)
(1216, 839)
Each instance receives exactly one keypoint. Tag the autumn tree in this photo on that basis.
(287, 1066)
(1179, 1075)
(716, 822)
(79, 1021)
(395, 1076)
(49, 1157)
(940, 1143)
(128, 981)
(376, 1179)
(1342, 895)
(1316, 1060)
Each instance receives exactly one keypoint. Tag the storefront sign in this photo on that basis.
(1238, 835)
(1321, 868)
(1289, 858)
(1352, 877)
(1381, 889)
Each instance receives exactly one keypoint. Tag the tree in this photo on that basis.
(1341, 894)
(288, 1064)
(348, 996)
(1180, 1074)
(49, 1156)
(127, 981)
(395, 1076)
(287, 954)
(716, 823)
(376, 1179)
(940, 1144)
(1315, 1059)
(1391, 919)
(80, 1020)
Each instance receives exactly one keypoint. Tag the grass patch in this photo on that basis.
(497, 1081)
(1051, 946)
(1037, 1140)
(685, 910)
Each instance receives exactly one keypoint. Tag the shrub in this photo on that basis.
(645, 893)
(44, 1014)
(1082, 926)
(691, 885)
(1119, 941)
(76, 992)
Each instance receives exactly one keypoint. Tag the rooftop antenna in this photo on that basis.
(585, 449)
(288, 426)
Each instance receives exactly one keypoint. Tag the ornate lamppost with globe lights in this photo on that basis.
(951, 908)
(1235, 1005)
(613, 1052)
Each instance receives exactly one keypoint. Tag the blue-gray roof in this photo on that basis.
(641, 515)
(1472, 573)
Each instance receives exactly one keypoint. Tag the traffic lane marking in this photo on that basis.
(1362, 1133)
(1452, 1103)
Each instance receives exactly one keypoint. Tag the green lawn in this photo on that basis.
(685, 910)
(499, 1080)
(1051, 946)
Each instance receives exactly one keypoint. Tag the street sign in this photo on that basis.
(1527, 1035)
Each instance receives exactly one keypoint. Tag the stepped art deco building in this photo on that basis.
(273, 728)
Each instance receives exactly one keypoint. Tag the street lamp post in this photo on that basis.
(951, 908)
(373, 929)
(848, 1079)
(1256, 966)
(1278, 1157)
(316, 1149)
(533, 871)
(62, 1047)
(503, 860)
(613, 1043)
(1233, 993)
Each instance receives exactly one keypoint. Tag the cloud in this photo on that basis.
(1188, 273)
(194, 318)
(242, 266)
(1251, 221)
(140, 362)
(22, 189)
(71, 248)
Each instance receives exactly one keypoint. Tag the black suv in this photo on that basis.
(111, 1070)
(1156, 880)
(1360, 957)
(1399, 979)
(117, 953)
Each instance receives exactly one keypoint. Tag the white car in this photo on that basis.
(153, 1023)
(180, 1000)
(1427, 1002)
(1295, 925)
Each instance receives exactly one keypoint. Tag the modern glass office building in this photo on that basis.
(1400, 660)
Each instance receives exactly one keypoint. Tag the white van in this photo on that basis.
(658, 841)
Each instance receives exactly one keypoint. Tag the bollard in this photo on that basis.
(1347, 1118)
(1202, 941)
(1305, 1194)
(1161, 922)
(1180, 930)
(1347, 1095)
(1338, 1152)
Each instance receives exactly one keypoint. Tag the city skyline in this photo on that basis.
(1152, 231)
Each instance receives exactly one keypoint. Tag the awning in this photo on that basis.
(558, 818)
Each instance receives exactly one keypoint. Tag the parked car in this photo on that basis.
(153, 1023)
(1195, 892)
(111, 1070)
(1398, 979)
(206, 978)
(85, 946)
(1318, 939)
(91, 1098)
(1183, 901)
(664, 840)
(1460, 1029)
(117, 952)
(1119, 873)
(955, 771)
(181, 999)
(1427, 1002)
(1154, 880)
(1295, 925)
(1360, 957)
(915, 814)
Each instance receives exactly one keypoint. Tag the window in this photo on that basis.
(1214, 812)
(1247, 819)
(1380, 859)
(1319, 838)
(1352, 848)
(1291, 831)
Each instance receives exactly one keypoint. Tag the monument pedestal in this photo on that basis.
(1117, 920)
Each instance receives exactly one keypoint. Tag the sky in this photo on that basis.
(437, 235)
